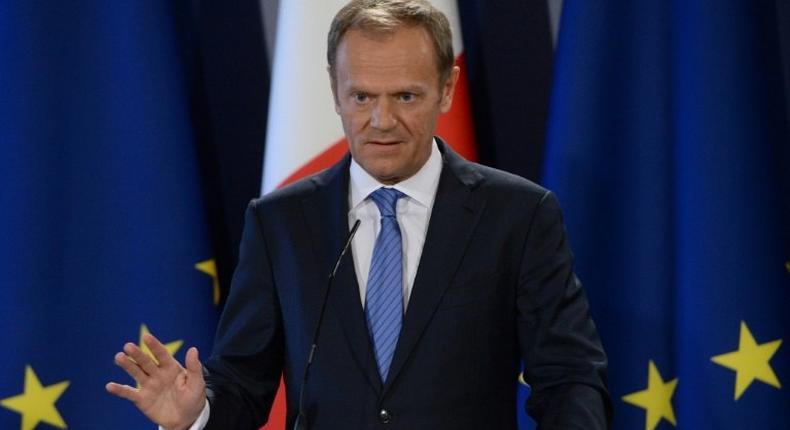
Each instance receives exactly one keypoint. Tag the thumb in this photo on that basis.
(194, 368)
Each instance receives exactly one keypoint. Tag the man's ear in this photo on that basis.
(333, 85)
(448, 89)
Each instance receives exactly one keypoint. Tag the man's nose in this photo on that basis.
(383, 115)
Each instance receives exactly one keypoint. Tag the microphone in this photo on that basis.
(301, 419)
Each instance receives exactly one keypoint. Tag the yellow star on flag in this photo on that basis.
(521, 379)
(209, 267)
(36, 404)
(656, 399)
(172, 347)
(750, 361)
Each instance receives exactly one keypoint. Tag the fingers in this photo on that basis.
(130, 367)
(123, 391)
(158, 350)
(154, 373)
(142, 360)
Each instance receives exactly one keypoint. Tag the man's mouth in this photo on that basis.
(384, 142)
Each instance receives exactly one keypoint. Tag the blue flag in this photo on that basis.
(669, 150)
(101, 215)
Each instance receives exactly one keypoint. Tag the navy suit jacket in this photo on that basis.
(494, 288)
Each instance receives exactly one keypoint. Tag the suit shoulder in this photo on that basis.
(287, 195)
(508, 183)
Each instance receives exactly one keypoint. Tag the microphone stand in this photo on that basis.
(301, 420)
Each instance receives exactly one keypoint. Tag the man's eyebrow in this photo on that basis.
(410, 89)
(356, 89)
(416, 89)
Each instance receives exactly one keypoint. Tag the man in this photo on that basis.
(457, 275)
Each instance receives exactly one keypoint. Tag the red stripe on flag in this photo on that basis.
(277, 414)
(456, 126)
(330, 156)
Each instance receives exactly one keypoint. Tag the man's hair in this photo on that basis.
(386, 16)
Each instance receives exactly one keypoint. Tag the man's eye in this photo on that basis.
(361, 97)
(406, 97)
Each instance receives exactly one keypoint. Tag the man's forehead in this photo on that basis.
(382, 79)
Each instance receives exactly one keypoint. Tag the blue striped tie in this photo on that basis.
(384, 296)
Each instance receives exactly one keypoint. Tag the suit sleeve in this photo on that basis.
(564, 361)
(243, 373)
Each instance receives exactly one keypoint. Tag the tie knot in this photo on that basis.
(386, 199)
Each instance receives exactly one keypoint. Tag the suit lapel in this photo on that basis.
(455, 213)
(326, 212)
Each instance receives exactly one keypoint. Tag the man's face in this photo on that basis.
(388, 94)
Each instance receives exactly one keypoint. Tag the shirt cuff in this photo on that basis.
(201, 420)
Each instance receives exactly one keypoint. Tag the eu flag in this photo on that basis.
(669, 150)
(101, 215)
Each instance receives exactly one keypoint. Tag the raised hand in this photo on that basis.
(169, 394)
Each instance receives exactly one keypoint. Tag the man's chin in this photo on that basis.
(385, 175)
(387, 178)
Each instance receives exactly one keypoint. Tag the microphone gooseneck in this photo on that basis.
(301, 419)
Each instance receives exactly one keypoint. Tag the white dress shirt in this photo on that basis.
(413, 212)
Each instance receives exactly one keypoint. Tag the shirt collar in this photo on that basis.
(420, 187)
